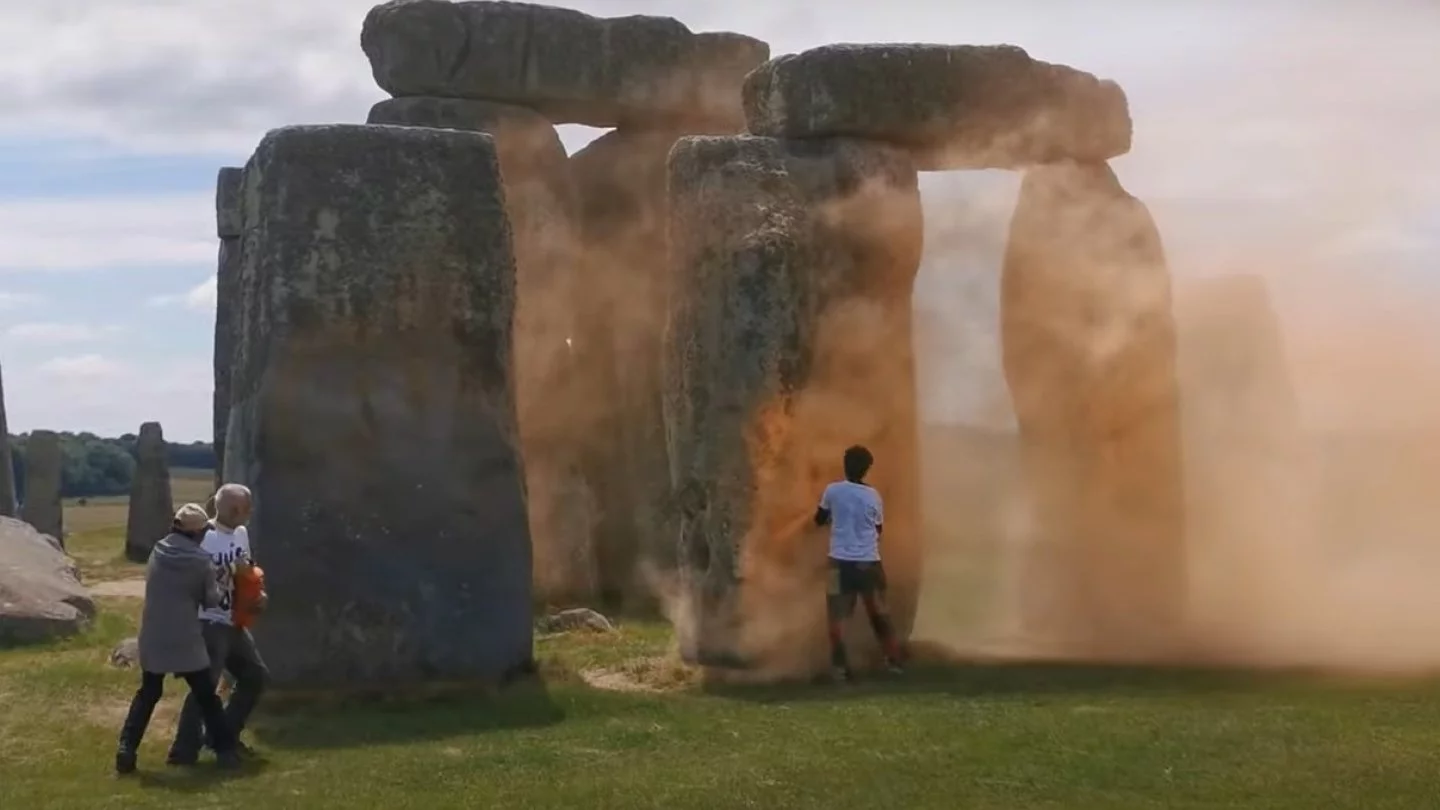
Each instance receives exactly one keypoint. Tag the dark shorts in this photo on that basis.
(848, 579)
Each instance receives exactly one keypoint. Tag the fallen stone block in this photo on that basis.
(952, 106)
(41, 597)
(570, 66)
(373, 410)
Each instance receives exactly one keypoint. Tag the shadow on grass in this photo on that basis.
(310, 723)
(199, 779)
(950, 675)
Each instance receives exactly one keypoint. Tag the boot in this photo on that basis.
(131, 733)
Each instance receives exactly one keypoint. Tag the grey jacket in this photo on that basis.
(179, 580)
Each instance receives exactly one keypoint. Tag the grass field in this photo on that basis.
(941, 737)
(95, 527)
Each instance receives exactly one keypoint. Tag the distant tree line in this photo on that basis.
(94, 465)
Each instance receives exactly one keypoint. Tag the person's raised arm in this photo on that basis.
(822, 512)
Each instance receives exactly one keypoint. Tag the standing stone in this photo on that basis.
(7, 468)
(151, 504)
(790, 327)
(373, 411)
(540, 201)
(1089, 351)
(570, 66)
(952, 106)
(1252, 521)
(621, 182)
(42, 508)
(229, 226)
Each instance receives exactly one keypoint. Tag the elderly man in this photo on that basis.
(231, 649)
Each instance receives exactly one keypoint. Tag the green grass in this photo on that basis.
(95, 527)
(942, 737)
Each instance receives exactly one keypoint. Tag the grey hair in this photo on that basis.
(229, 497)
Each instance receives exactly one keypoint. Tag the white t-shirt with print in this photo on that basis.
(856, 513)
(225, 546)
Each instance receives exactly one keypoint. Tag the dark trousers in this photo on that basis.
(849, 580)
(231, 650)
(152, 688)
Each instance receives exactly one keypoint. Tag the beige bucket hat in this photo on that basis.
(191, 518)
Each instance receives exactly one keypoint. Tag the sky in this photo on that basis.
(1298, 140)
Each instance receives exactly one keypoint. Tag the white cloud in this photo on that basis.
(14, 300)
(59, 332)
(1269, 134)
(200, 298)
(107, 231)
(110, 397)
(82, 368)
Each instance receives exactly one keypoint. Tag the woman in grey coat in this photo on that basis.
(178, 583)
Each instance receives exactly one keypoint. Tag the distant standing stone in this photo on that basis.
(42, 507)
(7, 469)
(151, 504)
(373, 413)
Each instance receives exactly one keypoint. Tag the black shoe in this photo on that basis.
(124, 762)
(181, 760)
(243, 750)
(841, 675)
(228, 760)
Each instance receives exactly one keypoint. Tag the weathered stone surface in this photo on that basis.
(126, 654)
(229, 226)
(572, 67)
(151, 504)
(954, 106)
(41, 597)
(540, 201)
(576, 619)
(373, 413)
(7, 469)
(621, 182)
(228, 220)
(1089, 351)
(227, 305)
(790, 328)
(42, 485)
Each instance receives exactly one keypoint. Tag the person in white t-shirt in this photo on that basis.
(855, 514)
(232, 649)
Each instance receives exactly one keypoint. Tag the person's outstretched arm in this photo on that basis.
(822, 512)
